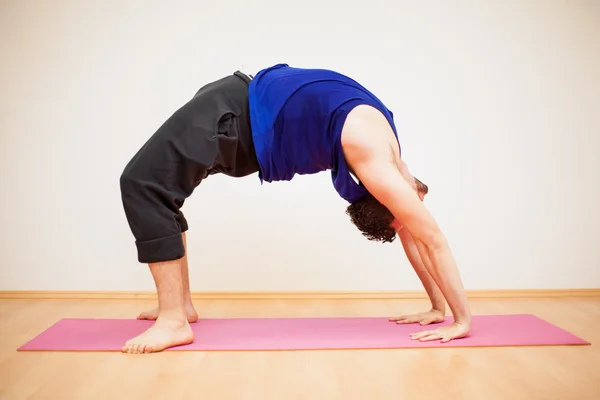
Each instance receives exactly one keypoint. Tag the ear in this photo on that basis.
(408, 177)
(397, 225)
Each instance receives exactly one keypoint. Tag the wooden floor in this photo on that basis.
(560, 372)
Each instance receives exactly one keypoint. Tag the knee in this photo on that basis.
(136, 197)
(129, 180)
(125, 180)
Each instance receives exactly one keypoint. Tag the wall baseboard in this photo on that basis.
(292, 295)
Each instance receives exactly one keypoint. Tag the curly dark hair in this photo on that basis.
(373, 219)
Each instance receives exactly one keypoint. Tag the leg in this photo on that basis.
(171, 327)
(153, 188)
(190, 311)
(211, 134)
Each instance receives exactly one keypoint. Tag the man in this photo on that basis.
(283, 122)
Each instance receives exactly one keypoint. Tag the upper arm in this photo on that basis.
(373, 162)
(385, 182)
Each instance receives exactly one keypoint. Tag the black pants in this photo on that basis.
(208, 135)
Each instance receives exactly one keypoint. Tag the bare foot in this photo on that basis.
(160, 336)
(190, 312)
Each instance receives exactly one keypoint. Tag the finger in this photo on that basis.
(452, 337)
(419, 335)
(398, 318)
(408, 321)
(433, 336)
(401, 318)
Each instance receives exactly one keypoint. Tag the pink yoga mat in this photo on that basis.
(301, 334)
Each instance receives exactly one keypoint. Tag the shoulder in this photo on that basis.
(367, 134)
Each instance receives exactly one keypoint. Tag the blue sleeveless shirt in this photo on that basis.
(297, 116)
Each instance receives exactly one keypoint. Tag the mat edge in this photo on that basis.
(292, 295)
(320, 349)
(580, 340)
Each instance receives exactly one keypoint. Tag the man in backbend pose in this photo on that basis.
(284, 121)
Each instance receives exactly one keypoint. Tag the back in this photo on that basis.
(297, 116)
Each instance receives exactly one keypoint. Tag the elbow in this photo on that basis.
(434, 240)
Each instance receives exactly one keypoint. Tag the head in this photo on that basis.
(374, 220)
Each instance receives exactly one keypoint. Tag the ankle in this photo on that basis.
(172, 324)
(174, 315)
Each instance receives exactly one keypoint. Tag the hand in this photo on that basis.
(445, 333)
(425, 318)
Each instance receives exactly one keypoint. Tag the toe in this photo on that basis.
(126, 347)
(132, 348)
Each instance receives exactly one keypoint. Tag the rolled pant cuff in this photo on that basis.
(167, 248)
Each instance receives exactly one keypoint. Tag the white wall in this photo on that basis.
(497, 104)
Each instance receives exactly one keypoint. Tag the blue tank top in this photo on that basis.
(297, 116)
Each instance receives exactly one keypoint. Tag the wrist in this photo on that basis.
(438, 307)
(438, 311)
(464, 320)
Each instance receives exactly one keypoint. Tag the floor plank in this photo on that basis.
(549, 372)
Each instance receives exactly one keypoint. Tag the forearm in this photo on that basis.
(418, 263)
(384, 180)
(440, 264)
(433, 291)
